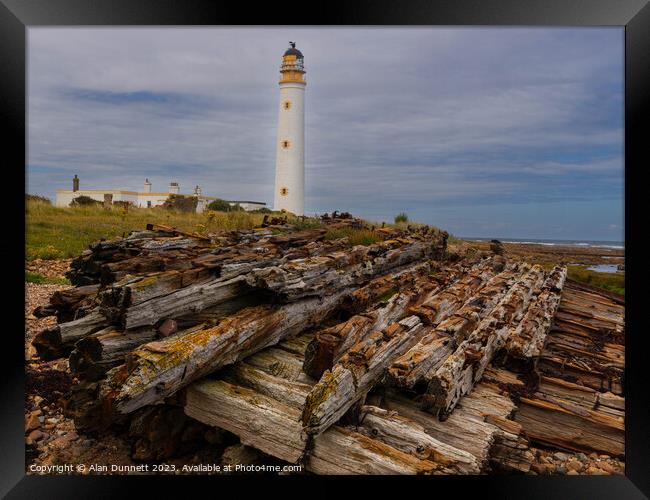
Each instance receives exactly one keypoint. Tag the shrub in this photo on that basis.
(401, 217)
(123, 204)
(84, 200)
(220, 205)
(181, 203)
(262, 210)
(34, 197)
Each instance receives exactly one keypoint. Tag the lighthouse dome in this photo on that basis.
(293, 51)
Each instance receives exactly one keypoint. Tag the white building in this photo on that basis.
(142, 199)
(290, 158)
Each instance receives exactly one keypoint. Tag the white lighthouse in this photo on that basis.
(290, 158)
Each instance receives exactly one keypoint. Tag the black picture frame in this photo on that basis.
(18, 15)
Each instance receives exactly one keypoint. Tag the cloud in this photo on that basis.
(416, 119)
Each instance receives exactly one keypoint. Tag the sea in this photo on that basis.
(619, 245)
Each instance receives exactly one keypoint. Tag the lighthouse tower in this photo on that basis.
(290, 157)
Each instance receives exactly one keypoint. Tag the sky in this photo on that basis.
(484, 132)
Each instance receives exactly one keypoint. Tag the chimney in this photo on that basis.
(75, 183)
(147, 186)
(174, 188)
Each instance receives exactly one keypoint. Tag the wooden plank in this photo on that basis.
(356, 373)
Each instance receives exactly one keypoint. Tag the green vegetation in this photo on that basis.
(35, 197)
(84, 200)
(220, 205)
(181, 203)
(613, 282)
(354, 236)
(401, 217)
(58, 233)
(44, 280)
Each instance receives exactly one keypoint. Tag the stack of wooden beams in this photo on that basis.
(372, 359)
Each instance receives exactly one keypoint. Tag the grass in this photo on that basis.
(59, 233)
(401, 217)
(354, 236)
(44, 280)
(613, 282)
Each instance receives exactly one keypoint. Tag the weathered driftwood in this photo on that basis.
(97, 353)
(326, 274)
(411, 437)
(87, 268)
(476, 427)
(385, 286)
(525, 343)
(573, 417)
(59, 340)
(419, 363)
(510, 451)
(331, 343)
(356, 373)
(444, 304)
(170, 229)
(583, 349)
(157, 370)
(64, 303)
(194, 298)
(289, 392)
(259, 421)
(464, 368)
(273, 427)
(247, 399)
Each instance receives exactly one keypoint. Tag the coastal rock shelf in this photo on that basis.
(390, 358)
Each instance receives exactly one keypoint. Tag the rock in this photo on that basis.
(52, 421)
(34, 436)
(582, 457)
(607, 467)
(32, 422)
(60, 443)
(594, 471)
(574, 465)
(542, 468)
(561, 469)
(72, 436)
(561, 456)
(572, 472)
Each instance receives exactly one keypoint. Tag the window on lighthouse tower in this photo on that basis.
(284, 191)
(286, 105)
(286, 144)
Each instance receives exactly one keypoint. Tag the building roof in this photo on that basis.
(293, 51)
(112, 191)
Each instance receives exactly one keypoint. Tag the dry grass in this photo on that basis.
(56, 233)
